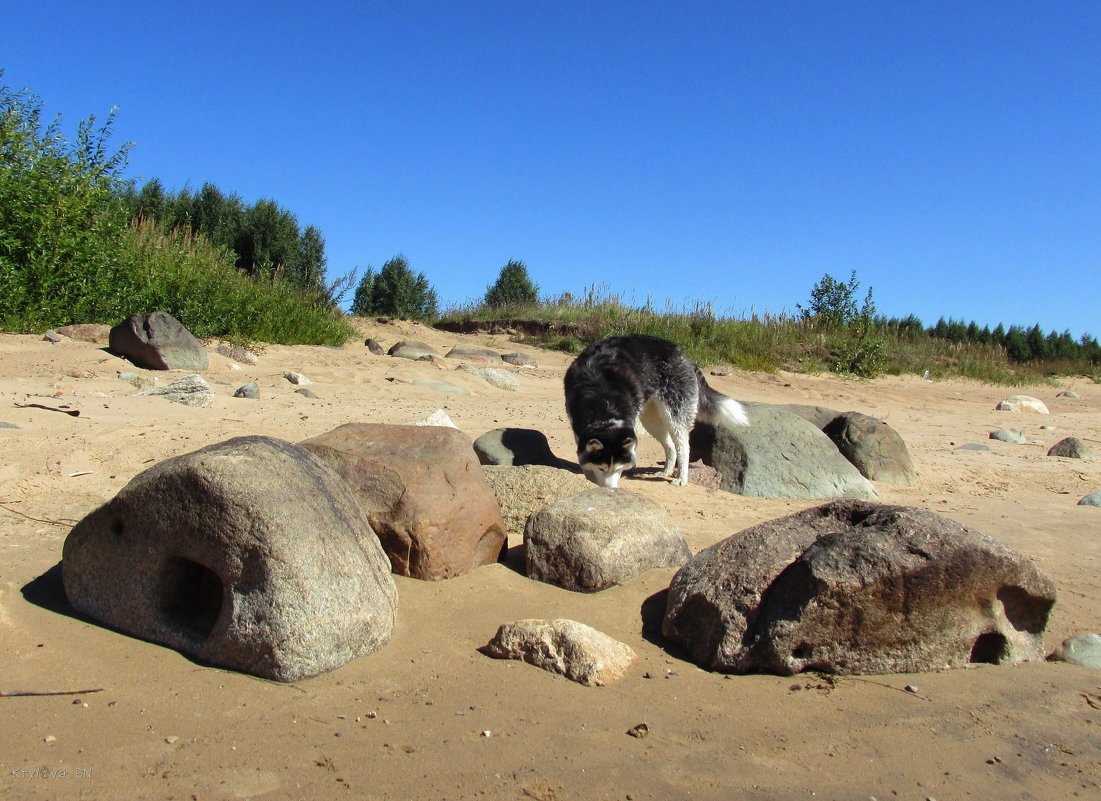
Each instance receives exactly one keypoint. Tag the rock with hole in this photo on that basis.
(249, 554)
(855, 587)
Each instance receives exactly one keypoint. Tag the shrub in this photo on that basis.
(396, 291)
(60, 220)
(513, 288)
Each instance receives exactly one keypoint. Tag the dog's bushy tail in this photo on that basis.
(716, 408)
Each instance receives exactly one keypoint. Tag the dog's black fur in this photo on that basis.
(621, 380)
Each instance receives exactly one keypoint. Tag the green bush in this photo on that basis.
(513, 287)
(61, 254)
(395, 291)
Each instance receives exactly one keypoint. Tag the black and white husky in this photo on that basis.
(620, 381)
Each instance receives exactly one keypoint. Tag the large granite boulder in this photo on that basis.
(857, 587)
(423, 492)
(157, 341)
(522, 491)
(778, 455)
(601, 538)
(872, 447)
(249, 554)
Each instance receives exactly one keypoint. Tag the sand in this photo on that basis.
(428, 716)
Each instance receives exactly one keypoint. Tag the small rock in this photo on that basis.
(1022, 403)
(571, 649)
(297, 379)
(1069, 393)
(639, 730)
(374, 346)
(49, 739)
(474, 354)
(251, 391)
(306, 393)
(1071, 448)
(238, 354)
(973, 446)
(437, 418)
(1093, 499)
(411, 349)
(191, 390)
(911, 688)
(1010, 435)
(172, 740)
(1081, 649)
(721, 371)
(8, 425)
(519, 360)
(135, 380)
(502, 379)
(52, 336)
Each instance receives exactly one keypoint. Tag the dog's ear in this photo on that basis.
(594, 445)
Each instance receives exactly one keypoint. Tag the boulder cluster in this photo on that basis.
(276, 558)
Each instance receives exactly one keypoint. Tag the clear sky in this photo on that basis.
(726, 152)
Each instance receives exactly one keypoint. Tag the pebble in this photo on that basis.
(911, 688)
(297, 378)
(639, 730)
(172, 740)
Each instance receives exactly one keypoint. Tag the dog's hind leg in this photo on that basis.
(680, 436)
(655, 419)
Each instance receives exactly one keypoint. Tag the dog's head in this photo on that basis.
(605, 453)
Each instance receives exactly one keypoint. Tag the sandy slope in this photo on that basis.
(428, 717)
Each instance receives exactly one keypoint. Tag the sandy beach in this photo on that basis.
(429, 717)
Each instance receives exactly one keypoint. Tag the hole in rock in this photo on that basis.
(989, 648)
(191, 598)
(802, 651)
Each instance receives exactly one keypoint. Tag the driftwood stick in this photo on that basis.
(13, 693)
(70, 412)
(63, 522)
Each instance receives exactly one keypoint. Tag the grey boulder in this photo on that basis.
(522, 491)
(1071, 448)
(1082, 649)
(514, 447)
(412, 349)
(1093, 499)
(249, 554)
(157, 341)
(600, 538)
(872, 447)
(778, 455)
(473, 354)
(855, 587)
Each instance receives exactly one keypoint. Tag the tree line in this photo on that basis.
(265, 238)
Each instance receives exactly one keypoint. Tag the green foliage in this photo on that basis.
(195, 281)
(68, 253)
(265, 238)
(513, 287)
(395, 291)
(832, 303)
(59, 219)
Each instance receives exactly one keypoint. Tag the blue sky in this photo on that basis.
(724, 152)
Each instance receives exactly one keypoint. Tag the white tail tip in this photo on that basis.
(732, 411)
